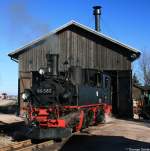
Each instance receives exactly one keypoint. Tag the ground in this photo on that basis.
(118, 135)
(10, 124)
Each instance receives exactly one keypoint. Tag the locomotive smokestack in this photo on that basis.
(97, 13)
(52, 63)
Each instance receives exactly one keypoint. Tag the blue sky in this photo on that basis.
(24, 20)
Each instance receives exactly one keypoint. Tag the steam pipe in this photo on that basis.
(97, 13)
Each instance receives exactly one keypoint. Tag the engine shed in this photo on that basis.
(80, 45)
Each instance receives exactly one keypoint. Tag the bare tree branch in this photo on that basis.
(145, 67)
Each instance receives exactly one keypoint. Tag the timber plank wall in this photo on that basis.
(79, 48)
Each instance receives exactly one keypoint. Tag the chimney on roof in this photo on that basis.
(97, 13)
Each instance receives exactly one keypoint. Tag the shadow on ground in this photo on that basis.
(102, 143)
(17, 130)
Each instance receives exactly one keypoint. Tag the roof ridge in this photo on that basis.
(73, 22)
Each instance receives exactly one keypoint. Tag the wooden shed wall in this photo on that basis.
(79, 48)
(25, 82)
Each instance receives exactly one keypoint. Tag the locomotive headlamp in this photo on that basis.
(26, 95)
(41, 71)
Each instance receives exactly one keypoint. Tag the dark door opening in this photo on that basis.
(121, 93)
(114, 94)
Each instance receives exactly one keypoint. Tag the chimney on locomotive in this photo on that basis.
(97, 13)
(52, 63)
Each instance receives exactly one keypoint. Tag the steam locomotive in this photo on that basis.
(61, 102)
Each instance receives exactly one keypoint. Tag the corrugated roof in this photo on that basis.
(15, 53)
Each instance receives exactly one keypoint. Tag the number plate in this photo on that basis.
(44, 91)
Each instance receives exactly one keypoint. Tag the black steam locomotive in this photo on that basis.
(62, 102)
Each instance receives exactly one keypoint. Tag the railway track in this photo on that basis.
(26, 146)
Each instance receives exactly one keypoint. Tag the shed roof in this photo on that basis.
(144, 88)
(18, 51)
